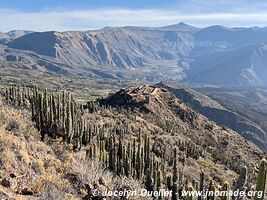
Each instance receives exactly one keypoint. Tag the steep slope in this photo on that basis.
(248, 102)
(31, 60)
(31, 169)
(164, 110)
(218, 113)
(244, 66)
(113, 130)
(4, 38)
(40, 43)
(121, 47)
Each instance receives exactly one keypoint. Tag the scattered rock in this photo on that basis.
(102, 181)
(1, 165)
(208, 127)
(6, 183)
(12, 125)
(96, 185)
(26, 191)
(225, 143)
(3, 195)
(36, 168)
(75, 180)
(12, 175)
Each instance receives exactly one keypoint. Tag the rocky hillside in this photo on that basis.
(147, 125)
(4, 38)
(218, 113)
(31, 169)
(177, 120)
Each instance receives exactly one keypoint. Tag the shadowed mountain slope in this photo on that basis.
(218, 113)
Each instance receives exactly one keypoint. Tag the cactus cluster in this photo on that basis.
(59, 115)
(191, 149)
(130, 159)
(18, 96)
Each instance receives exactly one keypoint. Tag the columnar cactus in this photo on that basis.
(226, 190)
(175, 195)
(149, 181)
(175, 168)
(212, 189)
(261, 182)
(147, 151)
(201, 185)
(169, 182)
(59, 113)
(240, 183)
(191, 189)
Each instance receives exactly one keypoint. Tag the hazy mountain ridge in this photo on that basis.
(4, 38)
(120, 47)
(18, 33)
(239, 52)
(241, 66)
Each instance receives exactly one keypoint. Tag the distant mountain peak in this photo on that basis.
(181, 26)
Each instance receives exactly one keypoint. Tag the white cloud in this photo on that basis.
(97, 18)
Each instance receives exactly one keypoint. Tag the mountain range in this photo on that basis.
(212, 55)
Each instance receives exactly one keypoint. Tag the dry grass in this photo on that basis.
(43, 168)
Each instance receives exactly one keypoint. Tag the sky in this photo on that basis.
(62, 15)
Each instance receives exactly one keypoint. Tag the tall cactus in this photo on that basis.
(191, 190)
(175, 195)
(149, 181)
(240, 183)
(201, 186)
(226, 190)
(175, 168)
(261, 182)
(212, 190)
(147, 151)
(169, 182)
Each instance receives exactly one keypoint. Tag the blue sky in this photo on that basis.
(35, 5)
(44, 15)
